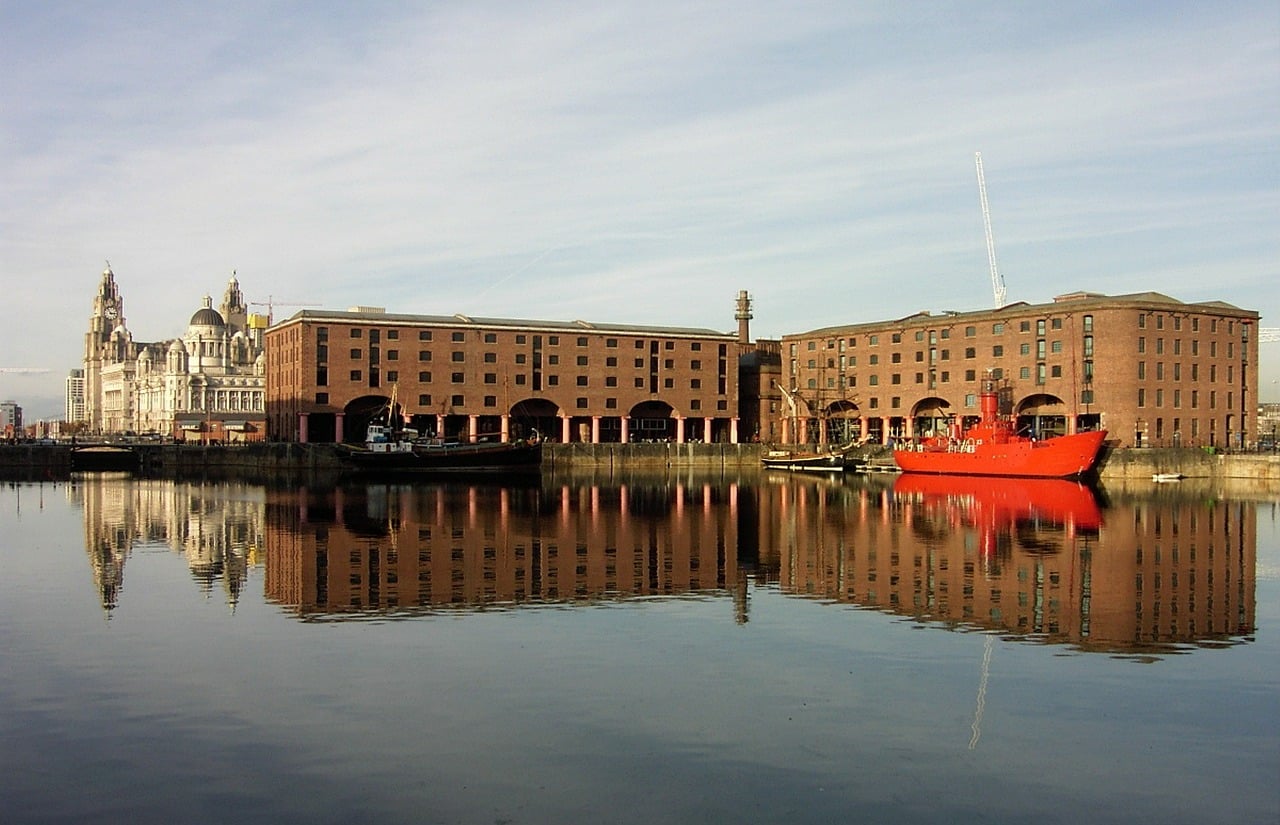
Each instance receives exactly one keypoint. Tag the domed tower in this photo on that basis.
(145, 362)
(176, 361)
(235, 313)
(206, 340)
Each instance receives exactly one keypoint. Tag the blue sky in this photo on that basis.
(628, 162)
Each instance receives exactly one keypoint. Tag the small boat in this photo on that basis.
(437, 456)
(992, 447)
(388, 448)
(822, 458)
(1162, 477)
(835, 460)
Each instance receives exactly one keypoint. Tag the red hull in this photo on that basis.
(1006, 501)
(1063, 457)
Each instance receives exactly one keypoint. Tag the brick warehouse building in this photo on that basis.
(329, 373)
(1150, 369)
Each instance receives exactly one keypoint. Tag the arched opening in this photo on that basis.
(1042, 416)
(535, 415)
(652, 421)
(844, 422)
(931, 417)
(360, 413)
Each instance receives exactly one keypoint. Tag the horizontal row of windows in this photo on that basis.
(1042, 372)
(426, 377)
(1041, 327)
(1042, 349)
(1175, 372)
(1194, 343)
(1158, 319)
(520, 358)
(1176, 398)
(458, 336)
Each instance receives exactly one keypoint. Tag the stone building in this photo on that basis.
(1149, 369)
(330, 373)
(207, 385)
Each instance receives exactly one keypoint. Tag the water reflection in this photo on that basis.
(1045, 561)
(216, 527)
(412, 547)
(1040, 560)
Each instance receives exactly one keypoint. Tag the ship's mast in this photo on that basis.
(997, 283)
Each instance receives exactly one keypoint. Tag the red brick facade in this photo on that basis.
(329, 373)
(1151, 370)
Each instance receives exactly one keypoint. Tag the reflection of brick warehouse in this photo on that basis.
(329, 372)
(430, 547)
(1155, 574)
(1149, 369)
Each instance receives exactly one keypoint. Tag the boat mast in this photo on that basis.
(791, 403)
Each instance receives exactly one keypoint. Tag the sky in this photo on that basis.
(627, 162)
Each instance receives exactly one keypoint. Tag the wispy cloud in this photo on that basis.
(599, 160)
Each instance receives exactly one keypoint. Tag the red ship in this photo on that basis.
(992, 447)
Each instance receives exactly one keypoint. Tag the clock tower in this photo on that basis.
(108, 315)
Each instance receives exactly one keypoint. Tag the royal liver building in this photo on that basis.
(207, 385)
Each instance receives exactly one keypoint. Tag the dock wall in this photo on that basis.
(284, 460)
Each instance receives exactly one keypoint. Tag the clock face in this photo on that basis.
(111, 312)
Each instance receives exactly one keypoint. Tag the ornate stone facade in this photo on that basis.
(207, 385)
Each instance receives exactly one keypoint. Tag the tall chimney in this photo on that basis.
(744, 317)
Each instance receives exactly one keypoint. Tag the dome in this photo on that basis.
(176, 346)
(207, 316)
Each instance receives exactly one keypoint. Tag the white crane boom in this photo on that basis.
(997, 283)
(271, 303)
(24, 370)
(1268, 335)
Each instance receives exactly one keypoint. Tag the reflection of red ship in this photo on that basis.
(992, 447)
(1000, 504)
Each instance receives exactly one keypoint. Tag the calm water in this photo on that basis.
(659, 650)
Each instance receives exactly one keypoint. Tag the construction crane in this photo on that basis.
(997, 283)
(23, 370)
(1268, 335)
(271, 303)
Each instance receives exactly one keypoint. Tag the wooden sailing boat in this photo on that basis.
(820, 458)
